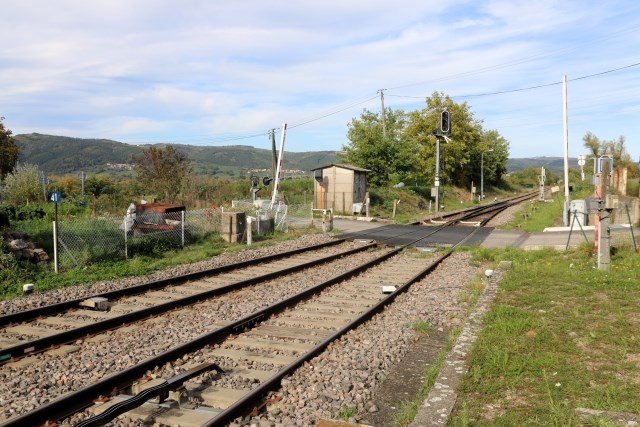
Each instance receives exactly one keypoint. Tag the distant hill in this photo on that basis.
(554, 164)
(61, 155)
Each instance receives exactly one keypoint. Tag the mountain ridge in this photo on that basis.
(62, 155)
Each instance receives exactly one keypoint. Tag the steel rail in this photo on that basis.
(73, 402)
(57, 308)
(250, 400)
(44, 343)
(76, 401)
(468, 213)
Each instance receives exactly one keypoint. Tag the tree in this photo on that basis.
(594, 145)
(460, 157)
(409, 151)
(22, 186)
(621, 158)
(8, 151)
(495, 162)
(99, 185)
(162, 170)
(370, 149)
(615, 148)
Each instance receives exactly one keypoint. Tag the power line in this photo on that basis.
(518, 62)
(527, 88)
(347, 107)
(361, 101)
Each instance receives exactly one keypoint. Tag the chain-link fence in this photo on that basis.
(85, 240)
(283, 216)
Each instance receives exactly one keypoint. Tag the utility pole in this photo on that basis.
(565, 213)
(604, 247)
(82, 181)
(384, 124)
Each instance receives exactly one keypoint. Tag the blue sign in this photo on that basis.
(54, 197)
(600, 164)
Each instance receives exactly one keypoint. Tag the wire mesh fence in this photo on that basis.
(85, 240)
(82, 241)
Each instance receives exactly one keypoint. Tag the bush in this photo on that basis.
(23, 185)
(153, 246)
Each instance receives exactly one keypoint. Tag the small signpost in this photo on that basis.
(55, 197)
(581, 161)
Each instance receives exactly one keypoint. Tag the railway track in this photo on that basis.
(294, 329)
(40, 329)
(476, 215)
(249, 363)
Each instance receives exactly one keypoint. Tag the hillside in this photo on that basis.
(61, 155)
(64, 155)
(555, 164)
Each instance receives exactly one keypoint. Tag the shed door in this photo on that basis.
(359, 186)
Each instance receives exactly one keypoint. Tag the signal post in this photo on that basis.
(445, 129)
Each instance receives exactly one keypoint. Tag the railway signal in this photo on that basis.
(445, 122)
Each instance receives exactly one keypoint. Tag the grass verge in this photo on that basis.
(409, 410)
(561, 335)
(11, 280)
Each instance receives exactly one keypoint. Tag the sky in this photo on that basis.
(218, 73)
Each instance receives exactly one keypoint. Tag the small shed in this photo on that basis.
(340, 187)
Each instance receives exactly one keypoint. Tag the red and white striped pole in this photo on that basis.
(279, 169)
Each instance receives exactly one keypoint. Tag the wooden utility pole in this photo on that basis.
(384, 124)
(604, 247)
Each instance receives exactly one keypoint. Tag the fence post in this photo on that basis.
(55, 246)
(126, 246)
(182, 223)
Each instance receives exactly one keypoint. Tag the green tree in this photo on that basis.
(615, 148)
(99, 185)
(8, 151)
(621, 157)
(162, 170)
(22, 186)
(370, 149)
(495, 162)
(594, 145)
(460, 156)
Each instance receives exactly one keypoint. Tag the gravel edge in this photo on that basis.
(437, 406)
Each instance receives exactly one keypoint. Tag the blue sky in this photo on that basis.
(225, 72)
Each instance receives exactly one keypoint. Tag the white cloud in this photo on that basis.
(145, 68)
